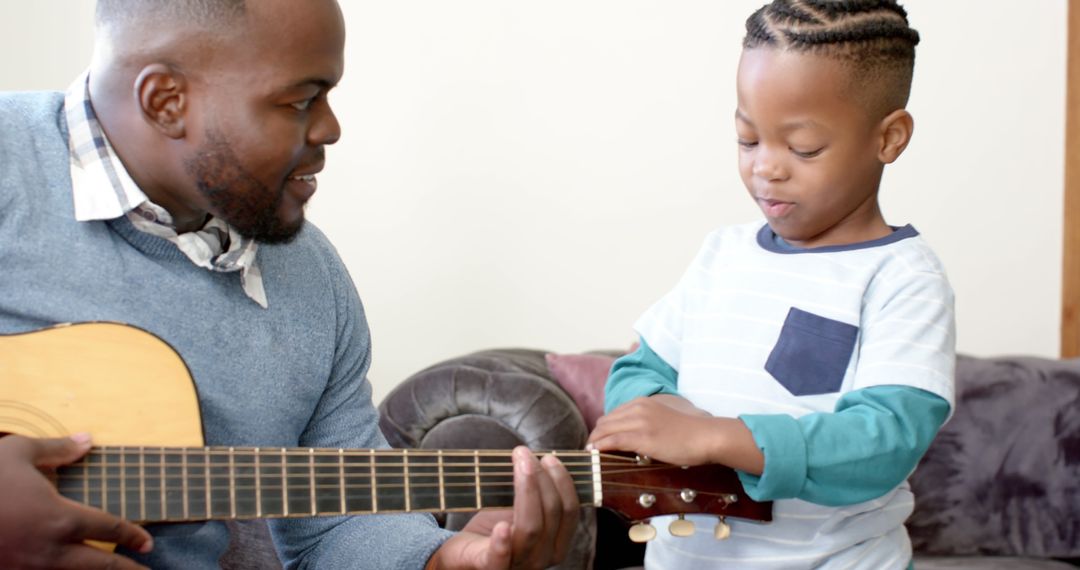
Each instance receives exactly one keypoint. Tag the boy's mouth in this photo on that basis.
(775, 208)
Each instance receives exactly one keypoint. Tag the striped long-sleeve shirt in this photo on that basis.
(794, 341)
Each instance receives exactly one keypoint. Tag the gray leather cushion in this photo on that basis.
(487, 400)
(494, 399)
(1003, 476)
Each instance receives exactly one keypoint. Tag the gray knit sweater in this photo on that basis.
(290, 375)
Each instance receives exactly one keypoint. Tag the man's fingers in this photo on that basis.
(553, 511)
(52, 452)
(528, 505)
(500, 552)
(93, 524)
(569, 502)
(82, 557)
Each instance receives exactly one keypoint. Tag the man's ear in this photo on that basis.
(163, 97)
(896, 131)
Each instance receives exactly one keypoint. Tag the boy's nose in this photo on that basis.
(768, 169)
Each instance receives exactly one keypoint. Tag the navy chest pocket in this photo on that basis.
(812, 353)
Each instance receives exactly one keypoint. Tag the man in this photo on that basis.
(166, 190)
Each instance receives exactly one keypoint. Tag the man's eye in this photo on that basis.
(302, 105)
(807, 154)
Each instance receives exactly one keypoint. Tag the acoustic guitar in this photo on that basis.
(150, 463)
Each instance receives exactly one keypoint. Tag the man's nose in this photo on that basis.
(326, 129)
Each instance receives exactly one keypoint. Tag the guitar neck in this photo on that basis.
(161, 484)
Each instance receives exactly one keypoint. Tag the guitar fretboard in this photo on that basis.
(183, 484)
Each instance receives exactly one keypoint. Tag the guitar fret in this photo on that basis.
(104, 482)
(442, 486)
(341, 478)
(405, 472)
(164, 503)
(374, 484)
(258, 485)
(476, 467)
(206, 471)
(86, 481)
(284, 484)
(184, 479)
(123, 486)
(232, 483)
(142, 484)
(311, 472)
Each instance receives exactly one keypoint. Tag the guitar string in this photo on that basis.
(93, 472)
(504, 492)
(381, 452)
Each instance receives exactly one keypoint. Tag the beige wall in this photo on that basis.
(536, 174)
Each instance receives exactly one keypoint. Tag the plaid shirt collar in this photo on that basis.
(103, 190)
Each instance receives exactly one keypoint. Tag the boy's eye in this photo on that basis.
(747, 143)
(807, 154)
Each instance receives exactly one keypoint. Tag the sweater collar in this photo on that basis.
(102, 189)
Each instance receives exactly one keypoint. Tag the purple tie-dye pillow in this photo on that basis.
(1003, 476)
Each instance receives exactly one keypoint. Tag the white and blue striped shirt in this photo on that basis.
(756, 328)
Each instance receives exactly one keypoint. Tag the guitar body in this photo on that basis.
(121, 384)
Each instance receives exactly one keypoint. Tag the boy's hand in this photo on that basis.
(536, 533)
(41, 529)
(670, 429)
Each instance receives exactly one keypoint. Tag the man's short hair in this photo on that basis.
(204, 13)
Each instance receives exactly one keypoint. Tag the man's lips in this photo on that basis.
(302, 182)
(302, 186)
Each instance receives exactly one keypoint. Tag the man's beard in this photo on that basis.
(236, 196)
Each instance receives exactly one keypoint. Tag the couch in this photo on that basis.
(999, 488)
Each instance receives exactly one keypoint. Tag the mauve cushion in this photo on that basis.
(1003, 475)
(583, 377)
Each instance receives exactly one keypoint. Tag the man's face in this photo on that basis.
(259, 117)
(808, 153)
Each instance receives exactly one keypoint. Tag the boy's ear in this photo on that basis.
(896, 131)
(163, 98)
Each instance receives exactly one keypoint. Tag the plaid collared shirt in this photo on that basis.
(103, 190)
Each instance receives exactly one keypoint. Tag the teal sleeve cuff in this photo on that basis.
(866, 447)
(780, 439)
(639, 374)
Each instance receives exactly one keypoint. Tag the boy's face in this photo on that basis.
(808, 152)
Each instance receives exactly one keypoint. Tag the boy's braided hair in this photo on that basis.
(871, 36)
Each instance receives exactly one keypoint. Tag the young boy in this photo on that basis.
(813, 353)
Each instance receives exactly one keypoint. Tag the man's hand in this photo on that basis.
(537, 533)
(671, 429)
(41, 529)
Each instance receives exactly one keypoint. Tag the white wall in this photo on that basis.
(536, 174)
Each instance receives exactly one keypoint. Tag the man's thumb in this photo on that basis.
(55, 452)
